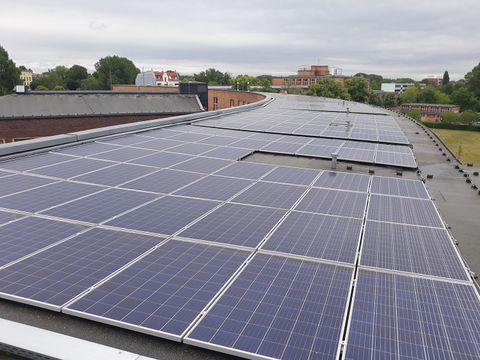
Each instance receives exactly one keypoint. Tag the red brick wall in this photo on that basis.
(32, 128)
(230, 98)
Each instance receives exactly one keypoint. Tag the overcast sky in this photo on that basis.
(413, 38)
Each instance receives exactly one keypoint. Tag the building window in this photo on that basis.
(215, 103)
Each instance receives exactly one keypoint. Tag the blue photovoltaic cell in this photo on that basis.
(72, 168)
(189, 137)
(192, 148)
(356, 155)
(218, 140)
(60, 273)
(163, 181)
(246, 170)
(334, 202)
(202, 165)
(411, 248)
(27, 235)
(34, 161)
(251, 144)
(6, 217)
(403, 210)
(326, 237)
(125, 140)
(402, 317)
(115, 175)
(343, 181)
(165, 216)
(392, 186)
(398, 159)
(47, 196)
(15, 183)
(101, 206)
(86, 149)
(123, 154)
(166, 290)
(317, 151)
(291, 175)
(161, 160)
(279, 308)
(282, 147)
(271, 194)
(162, 133)
(360, 145)
(214, 187)
(235, 224)
(229, 153)
(158, 144)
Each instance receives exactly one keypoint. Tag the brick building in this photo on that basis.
(44, 113)
(430, 112)
(305, 77)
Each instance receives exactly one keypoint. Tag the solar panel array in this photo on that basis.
(249, 259)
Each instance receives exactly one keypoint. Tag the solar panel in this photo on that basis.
(192, 148)
(392, 186)
(123, 154)
(403, 210)
(356, 155)
(253, 144)
(278, 308)
(291, 175)
(333, 202)
(320, 151)
(162, 159)
(162, 133)
(411, 248)
(124, 140)
(34, 161)
(101, 206)
(215, 188)
(115, 175)
(47, 196)
(15, 183)
(319, 236)
(164, 216)
(400, 317)
(235, 224)
(229, 153)
(344, 181)
(163, 181)
(218, 140)
(163, 292)
(30, 234)
(159, 144)
(86, 149)
(58, 274)
(282, 147)
(202, 165)
(271, 194)
(6, 217)
(246, 170)
(189, 137)
(72, 168)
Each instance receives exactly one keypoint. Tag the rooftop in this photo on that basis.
(225, 229)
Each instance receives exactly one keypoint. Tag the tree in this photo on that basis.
(375, 80)
(74, 77)
(51, 78)
(327, 87)
(115, 70)
(415, 114)
(462, 96)
(244, 82)
(213, 77)
(357, 87)
(472, 80)
(446, 78)
(470, 116)
(9, 75)
(410, 94)
(450, 117)
(90, 83)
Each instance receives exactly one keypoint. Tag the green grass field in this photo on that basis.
(465, 144)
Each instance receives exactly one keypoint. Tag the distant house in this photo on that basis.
(157, 78)
(430, 112)
(26, 77)
(395, 88)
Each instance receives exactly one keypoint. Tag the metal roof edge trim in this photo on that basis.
(49, 141)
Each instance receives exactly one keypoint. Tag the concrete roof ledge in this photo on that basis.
(49, 141)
